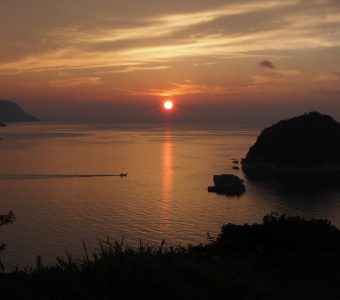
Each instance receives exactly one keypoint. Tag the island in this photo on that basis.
(11, 112)
(227, 184)
(306, 147)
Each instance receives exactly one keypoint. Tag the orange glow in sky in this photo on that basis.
(215, 57)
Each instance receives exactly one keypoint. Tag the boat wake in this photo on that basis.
(54, 176)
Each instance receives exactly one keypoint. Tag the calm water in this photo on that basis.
(43, 179)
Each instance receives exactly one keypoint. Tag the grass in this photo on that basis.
(281, 258)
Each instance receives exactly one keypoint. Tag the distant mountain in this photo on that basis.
(11, 112)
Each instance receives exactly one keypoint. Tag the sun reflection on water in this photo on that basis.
(167, 182)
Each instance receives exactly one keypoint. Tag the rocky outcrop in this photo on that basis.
(2, 124)
(307, 146)
(11, 112)
(228, 184)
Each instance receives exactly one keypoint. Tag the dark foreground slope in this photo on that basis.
(11, 112)
(308, 145)
(281, 258)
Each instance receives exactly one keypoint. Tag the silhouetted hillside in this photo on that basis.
(11, 112)
(304, 144)
(280, 258)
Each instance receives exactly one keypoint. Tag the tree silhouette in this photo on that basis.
(5, 219)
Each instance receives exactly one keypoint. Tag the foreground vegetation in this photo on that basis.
(281, 258)
(5, 219)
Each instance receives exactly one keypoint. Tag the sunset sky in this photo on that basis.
(219, 61)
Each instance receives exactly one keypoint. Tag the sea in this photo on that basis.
(63, 183)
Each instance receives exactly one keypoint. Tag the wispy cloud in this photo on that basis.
(259, 80)
(130, 69)
(328, 77)
(74, 82)
(187, 88)
(233, 30)
(205, 64)
(288, 72)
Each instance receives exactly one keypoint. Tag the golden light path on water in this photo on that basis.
(167, 184)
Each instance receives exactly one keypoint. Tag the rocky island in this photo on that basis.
(11, 112)
(227, 184)
(304, 147)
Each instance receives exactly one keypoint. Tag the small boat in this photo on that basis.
(123, 174)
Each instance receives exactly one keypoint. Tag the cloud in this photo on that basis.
(266, 64)
(288, 72)
(59, 83)
(187, 88)
(139, 68)
(204, 64)
(327, 77)
(259, 80)
(100, 37)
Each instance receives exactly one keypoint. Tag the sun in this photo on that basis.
(168, 105)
